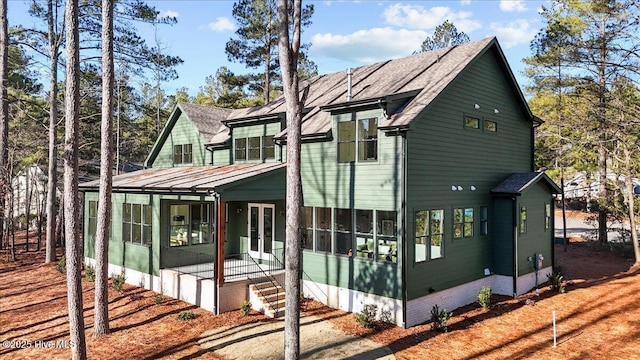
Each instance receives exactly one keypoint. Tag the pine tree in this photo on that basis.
(593, 43)
(101, 322)
(256, 44)
(289, 50)
(71, 203)
(445, 35)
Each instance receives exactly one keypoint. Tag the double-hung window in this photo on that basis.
(344, 232)
(136, 223)
(183, 154)
(93, 218)
(387, 236)
(323, 230)
(358, 140)
(462, 222)
(254, 148)
(307, 236)
(429, 239)
(523, 219)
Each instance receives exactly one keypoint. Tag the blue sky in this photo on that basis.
(343, 34)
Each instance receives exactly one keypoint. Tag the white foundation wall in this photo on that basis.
(132, 277)
(184, 287)
(352, 300)
(528, 281)
(419, 310)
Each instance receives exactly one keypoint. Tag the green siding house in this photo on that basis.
(418, 187)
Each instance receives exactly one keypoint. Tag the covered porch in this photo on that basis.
(220, 223)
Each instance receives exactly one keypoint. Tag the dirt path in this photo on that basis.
(319, 339)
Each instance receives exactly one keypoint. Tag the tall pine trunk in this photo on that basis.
(71, 203)
(101, 323)
(288, 53)
(5, 176)
(54, 46)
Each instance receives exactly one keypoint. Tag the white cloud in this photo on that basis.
(169, 13)
(368, 46)
(512, 5)
(515, 33)
(221, 24)
(419, 17)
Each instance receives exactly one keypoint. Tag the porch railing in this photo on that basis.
(236, 266)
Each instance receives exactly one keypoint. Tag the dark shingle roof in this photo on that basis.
(426, 74)
(516, 183)
(207, 119)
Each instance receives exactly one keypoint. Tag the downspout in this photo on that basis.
(515, 246)
(405, 251)
(211, 151)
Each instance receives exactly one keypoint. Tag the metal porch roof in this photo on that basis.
(194, 179)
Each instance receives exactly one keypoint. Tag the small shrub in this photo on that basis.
(89, 273)
(186, 315)
(117, 281)
(158, 298)
(385, 316)
(439, 319)
(367, 317)
(61, 265)
(557, 282)
(484, 297)
(245, 307)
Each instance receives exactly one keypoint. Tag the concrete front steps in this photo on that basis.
(267, 296)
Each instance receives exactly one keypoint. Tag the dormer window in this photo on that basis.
(254, 148)
(358, 139)
(183, 154)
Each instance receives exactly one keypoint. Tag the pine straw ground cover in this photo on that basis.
(598, 317)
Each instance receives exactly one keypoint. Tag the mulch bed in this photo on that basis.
(598, 317)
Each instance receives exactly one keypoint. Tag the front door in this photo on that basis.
(261, 230)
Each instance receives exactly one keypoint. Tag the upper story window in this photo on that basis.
(471, 122)
(255, 148)
(183, 154)
(358, 140)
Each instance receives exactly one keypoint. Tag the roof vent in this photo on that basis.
(349, 74)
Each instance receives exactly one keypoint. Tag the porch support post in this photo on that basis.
(220, 236)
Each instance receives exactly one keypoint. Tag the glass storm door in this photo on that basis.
(261, 230)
